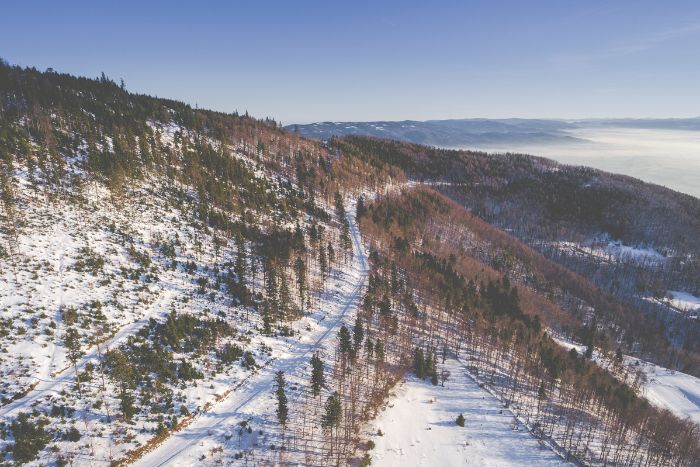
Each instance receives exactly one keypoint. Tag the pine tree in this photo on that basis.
(73, 351)
(240, 264)
(271, 288)
(333, 415)
(419, 363)
(323, 264)
(285, 300)
(358, 334)
(267, 321)
(318, 379)
(300, 271)
(379, 351)
(360, 208)
(282, 408)
(331, 255)
(334, 411)
(122, 372)
(346, 349)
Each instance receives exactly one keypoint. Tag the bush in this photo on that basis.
(30, 438)
(460, 420)
(73, 435)
(248, 361)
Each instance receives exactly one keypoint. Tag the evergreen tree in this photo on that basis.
(419, 363)
(271, 291)
(122, 372)
(358, 334)
(73, 350)
(240, 263)
(300, 271)
(360, 208)
(331, 255)
(267, 320)
(285, 300)
(323, 264)
(318, 379)
(334, 411)
(282, 409)
(379, 351)
(30, 438)
(346, 349)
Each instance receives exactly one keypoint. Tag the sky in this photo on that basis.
(306, 61)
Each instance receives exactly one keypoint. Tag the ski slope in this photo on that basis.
(251, 399)
(419, 427)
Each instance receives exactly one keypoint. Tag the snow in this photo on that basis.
(43, 277)
(419, 427)
(663, 387)
(684, 301)
(213, 433)
(672, 390)
(613, 250)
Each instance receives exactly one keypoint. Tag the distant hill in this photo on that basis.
(476, 132)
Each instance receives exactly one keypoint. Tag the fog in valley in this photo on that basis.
(665, 157)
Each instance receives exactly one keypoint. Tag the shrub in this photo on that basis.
(30, 438)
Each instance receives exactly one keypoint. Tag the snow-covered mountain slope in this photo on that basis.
(180, 286)
(665, 388)
(418, 427)
(211, 437)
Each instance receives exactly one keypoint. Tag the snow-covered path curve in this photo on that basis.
(228, 412)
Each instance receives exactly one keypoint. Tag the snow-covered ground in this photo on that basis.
(667, 389)
(673, 390)
(213, 435)
(610, 250)
(684, 301)
(419, 427)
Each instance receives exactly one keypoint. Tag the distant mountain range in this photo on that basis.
(477, 131)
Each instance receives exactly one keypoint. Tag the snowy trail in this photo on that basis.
(246, 399)
(66, 376)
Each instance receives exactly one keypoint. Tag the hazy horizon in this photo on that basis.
(669, 158)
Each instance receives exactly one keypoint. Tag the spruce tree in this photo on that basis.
(282, 408)
(323, 264)
(419, 363)
(318, 379)
(334, 411)
(73, 351)
(346, 348)
(300, 271)
(240, 263)
(358, 334)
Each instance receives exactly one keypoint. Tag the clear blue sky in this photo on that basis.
(308, 61)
